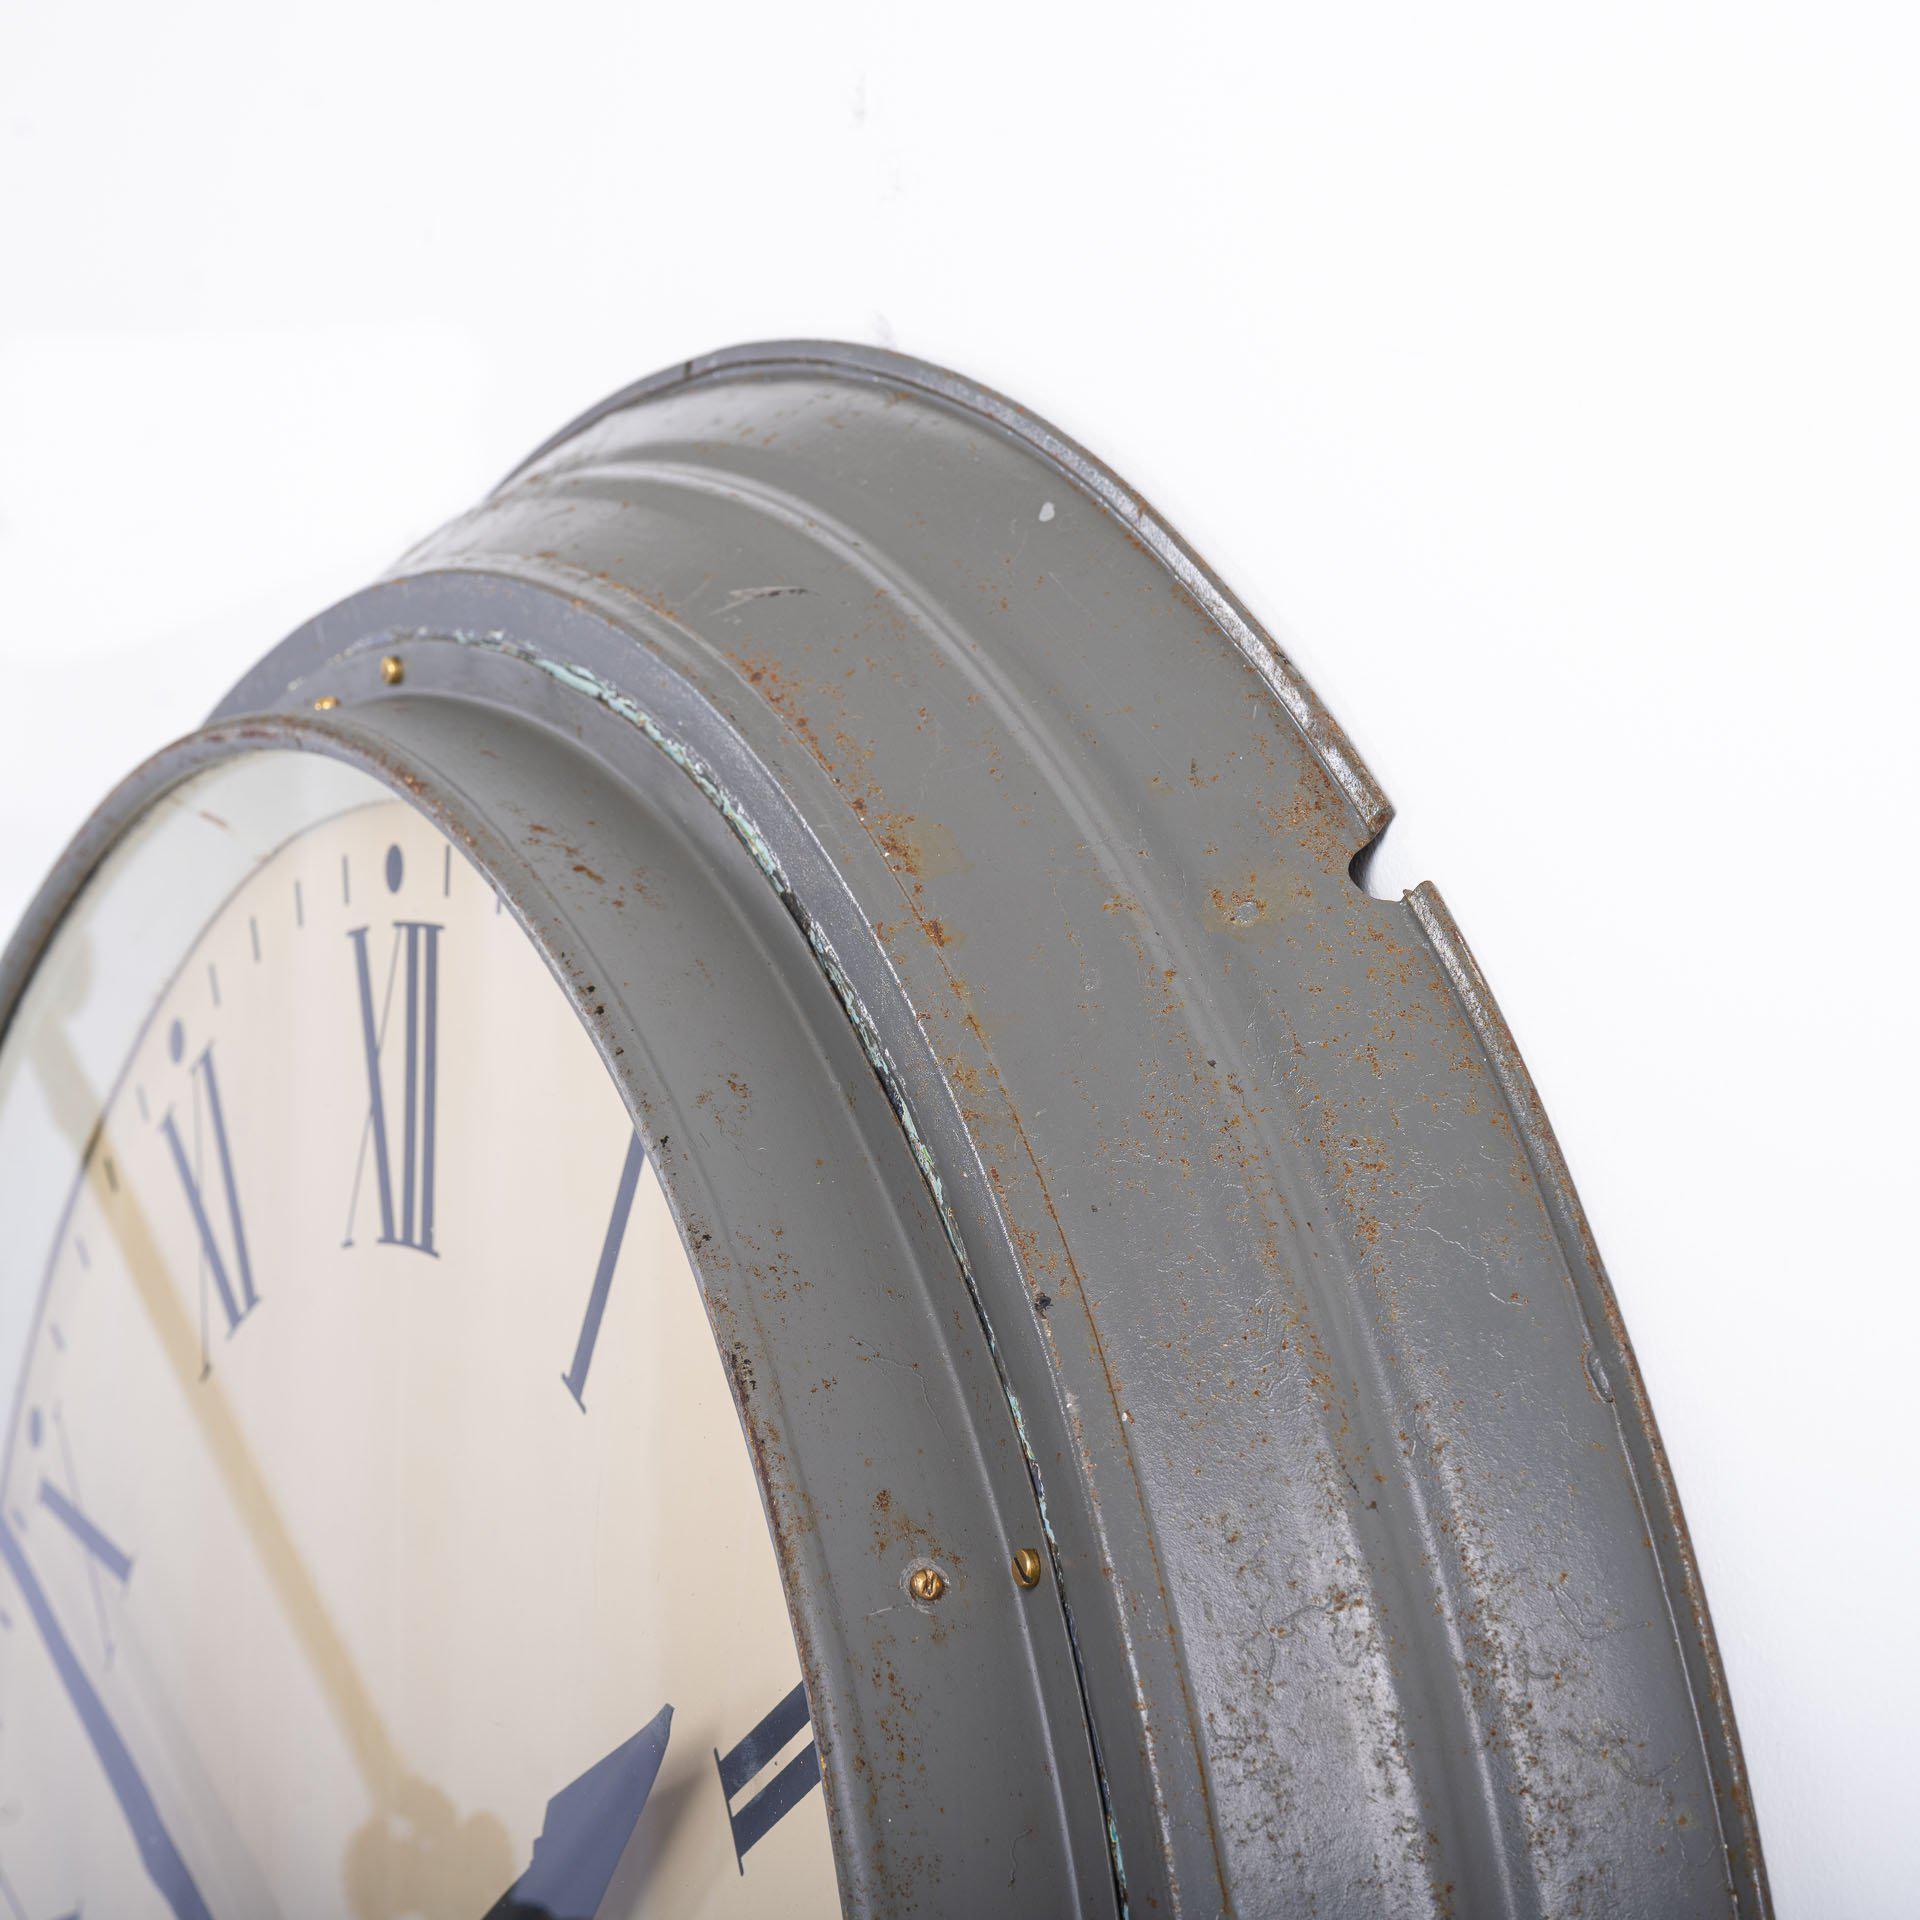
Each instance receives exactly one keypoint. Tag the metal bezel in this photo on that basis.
(1369, 1585)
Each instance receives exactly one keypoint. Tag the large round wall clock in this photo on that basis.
(728, 1207)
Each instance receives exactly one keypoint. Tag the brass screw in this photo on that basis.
(326, 703)
(927, 1584)
(1026, 1566)
(392, 671)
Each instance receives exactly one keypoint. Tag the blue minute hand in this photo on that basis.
(161, 1857)
(587, 1829)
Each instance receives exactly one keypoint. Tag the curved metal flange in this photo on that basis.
(1370, 1571)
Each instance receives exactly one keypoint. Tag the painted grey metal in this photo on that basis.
(959, 884)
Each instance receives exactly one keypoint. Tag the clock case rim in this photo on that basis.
(1155, 1784)
(428, 753)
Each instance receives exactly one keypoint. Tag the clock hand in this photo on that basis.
(161, 1857)
(70, 1093)
(587, 1829)
(395, 1793)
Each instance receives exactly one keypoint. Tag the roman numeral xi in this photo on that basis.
(232, 1279)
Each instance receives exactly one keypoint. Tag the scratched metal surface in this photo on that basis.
(1241, 1249)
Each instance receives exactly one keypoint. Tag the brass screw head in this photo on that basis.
(326, 703)
(392, 671)
(1026, 1566)
(926, 1584)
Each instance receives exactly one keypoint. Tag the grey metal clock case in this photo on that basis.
(1077, 1161)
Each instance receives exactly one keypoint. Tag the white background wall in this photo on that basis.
(1547, 377)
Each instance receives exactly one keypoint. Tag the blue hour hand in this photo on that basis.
(587, 1829)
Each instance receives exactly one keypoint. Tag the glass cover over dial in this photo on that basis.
(377, 1535)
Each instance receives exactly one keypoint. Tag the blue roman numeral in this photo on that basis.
(576, 1375)
(158, 1854)
(238, 1302)
(116, 1561)
(752, 1822)
(416, 953)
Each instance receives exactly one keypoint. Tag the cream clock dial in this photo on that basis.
(379, 1537)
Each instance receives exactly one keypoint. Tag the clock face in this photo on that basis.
(377, 1534)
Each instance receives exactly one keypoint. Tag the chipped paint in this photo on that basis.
(582, 680)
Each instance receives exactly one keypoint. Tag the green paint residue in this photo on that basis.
(583, 681)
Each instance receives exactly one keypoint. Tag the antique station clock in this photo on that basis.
(728, 1207)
